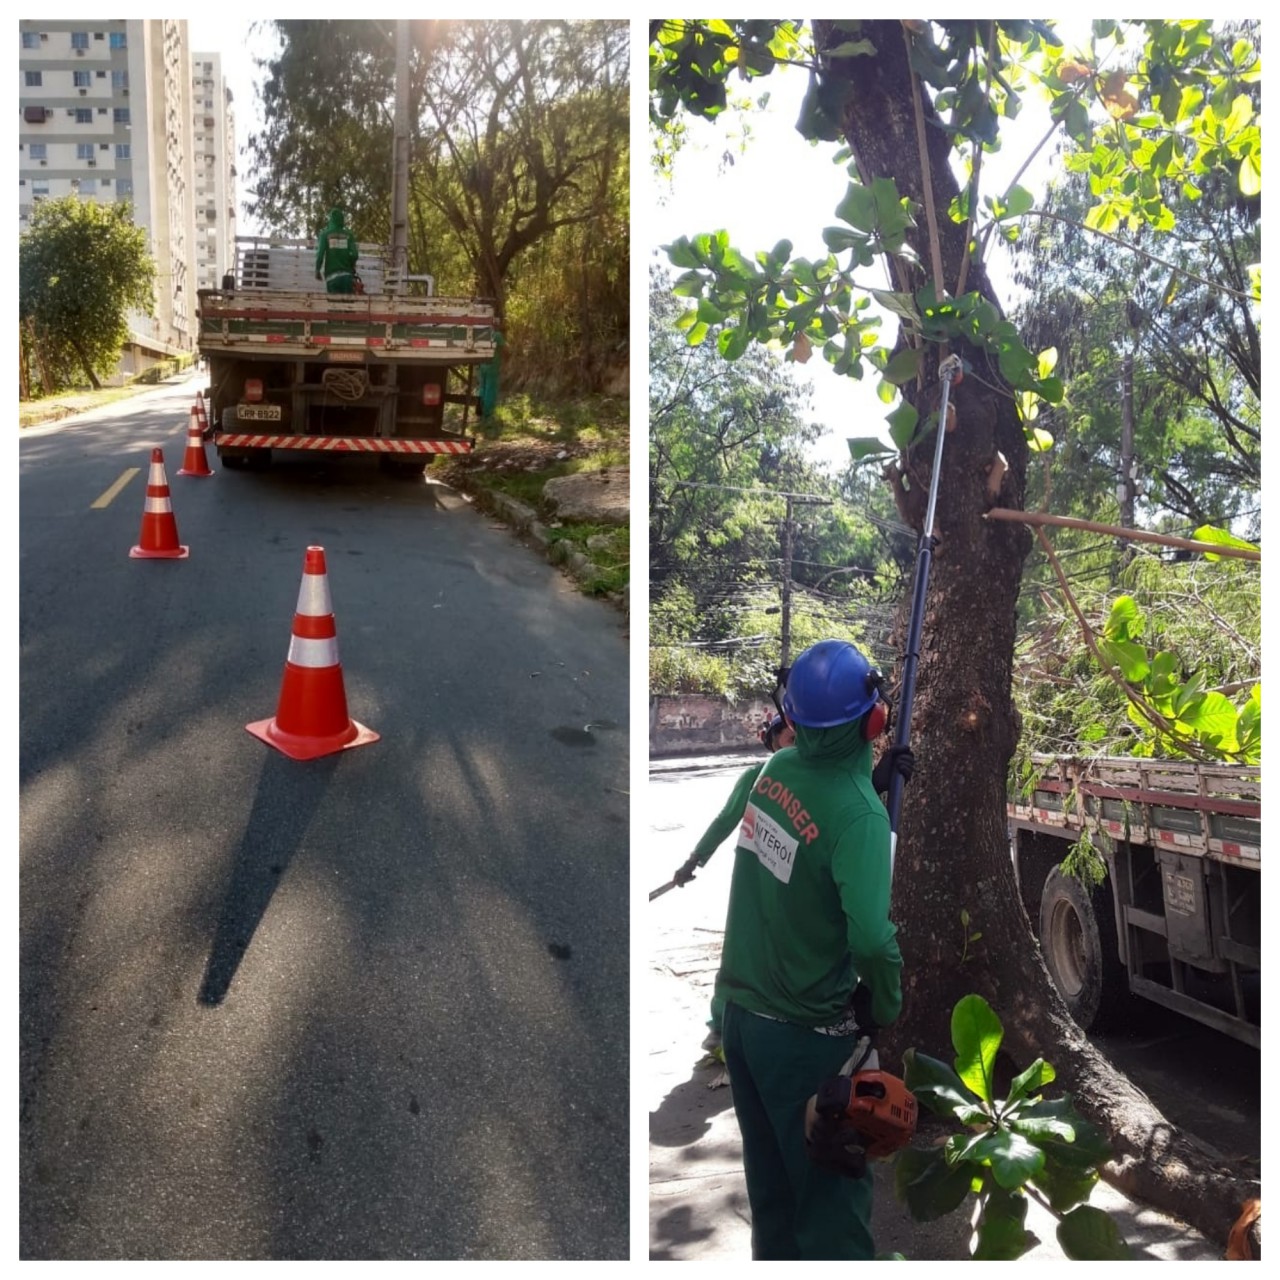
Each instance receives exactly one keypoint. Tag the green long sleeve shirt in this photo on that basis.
(809, 903)
(728, 818)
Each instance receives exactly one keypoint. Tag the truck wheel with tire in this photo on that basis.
(1078, 940)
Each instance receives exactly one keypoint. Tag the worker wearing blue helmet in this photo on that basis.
(808, 921)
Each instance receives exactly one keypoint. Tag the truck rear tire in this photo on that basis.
(1078, 940)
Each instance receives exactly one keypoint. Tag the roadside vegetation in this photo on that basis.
(531, 439)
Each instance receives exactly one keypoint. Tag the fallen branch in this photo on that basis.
(1039, 518)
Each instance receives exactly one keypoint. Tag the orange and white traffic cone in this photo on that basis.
(159, 537)
(311, 718)
(195, 463)
(204, 417)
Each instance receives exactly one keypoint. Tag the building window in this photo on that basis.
(40, 187)
(84, 150)
(30, 39)
(81, 79)
(39, 151)
(119, 79)
(79, 39)
(123, 151)
(34, 79)
(88, 186)
(124, 188)
(118, 40)
(84, 115)
(121, 115)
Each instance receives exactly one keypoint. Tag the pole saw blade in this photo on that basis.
(661, 889)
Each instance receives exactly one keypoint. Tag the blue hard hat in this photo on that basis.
(830, 683)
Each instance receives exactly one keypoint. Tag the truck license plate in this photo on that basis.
(258, 412)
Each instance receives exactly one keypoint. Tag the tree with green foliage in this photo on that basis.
(82, 267)
(1169, 323)
(726, 442)
(520, 133)
(906, 98)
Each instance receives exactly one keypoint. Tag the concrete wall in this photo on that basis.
(693, 722)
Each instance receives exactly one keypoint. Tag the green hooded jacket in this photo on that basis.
(809, 903)
(336, 250)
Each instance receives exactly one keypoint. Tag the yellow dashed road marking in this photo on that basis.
(109, 496)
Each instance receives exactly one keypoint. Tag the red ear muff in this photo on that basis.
(876, 722)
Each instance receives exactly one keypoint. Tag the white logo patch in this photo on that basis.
(772, 845)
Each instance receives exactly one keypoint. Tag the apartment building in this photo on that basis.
(111, 109)
(213, 127)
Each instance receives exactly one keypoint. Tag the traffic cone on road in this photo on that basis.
(204, 417)
(159, 537)
(195, 463)
(311, 719)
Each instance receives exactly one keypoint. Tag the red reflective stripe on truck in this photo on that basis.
(341, 444)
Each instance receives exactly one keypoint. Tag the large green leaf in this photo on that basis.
(976, 1034)
(1002, 1234)
(1020, 201)
(732, 342)
(935, 1085)
(838, 239)
(902, 424)
(1129, 657)
(1032, 1080)
(1064, 1185)
(1249, 726)
(1013, 1158)
(923, 1181)
(1087, 1149)
(904, 367)
(1087, 1234)
(858, 208)
(1214, 718)
(1207, 533)
(902, 305)
(1124, 622)
(682, 254)
(863, 447)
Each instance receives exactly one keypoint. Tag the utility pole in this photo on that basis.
(786, 537)
(400, 164)
(785, 659)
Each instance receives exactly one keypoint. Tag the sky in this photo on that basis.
(781, 187)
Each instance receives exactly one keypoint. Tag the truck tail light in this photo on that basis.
(431, 393)
(253, 390)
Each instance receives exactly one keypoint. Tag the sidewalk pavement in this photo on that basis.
(697, 1194)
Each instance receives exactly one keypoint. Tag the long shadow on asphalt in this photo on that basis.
(287, 798)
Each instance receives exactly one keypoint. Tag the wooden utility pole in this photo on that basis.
(785, 658)
(1125, 489)
(400, 164)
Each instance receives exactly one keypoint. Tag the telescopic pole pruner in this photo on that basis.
(948, 370)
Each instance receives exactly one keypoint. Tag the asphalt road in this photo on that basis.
(1205, 1082)
(367, 1006)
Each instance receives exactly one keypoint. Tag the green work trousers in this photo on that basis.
(343, 282)
(797, 1211)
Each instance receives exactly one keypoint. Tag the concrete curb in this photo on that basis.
(525, 520)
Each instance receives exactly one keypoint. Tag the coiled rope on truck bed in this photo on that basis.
(346, 384)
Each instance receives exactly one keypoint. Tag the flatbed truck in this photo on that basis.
(295, 369)
(1178, 918)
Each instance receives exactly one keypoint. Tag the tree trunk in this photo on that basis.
(953, 851)
(87, 365)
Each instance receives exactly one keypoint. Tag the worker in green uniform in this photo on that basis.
(775, 734)
(808, 921)
(336, 255)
